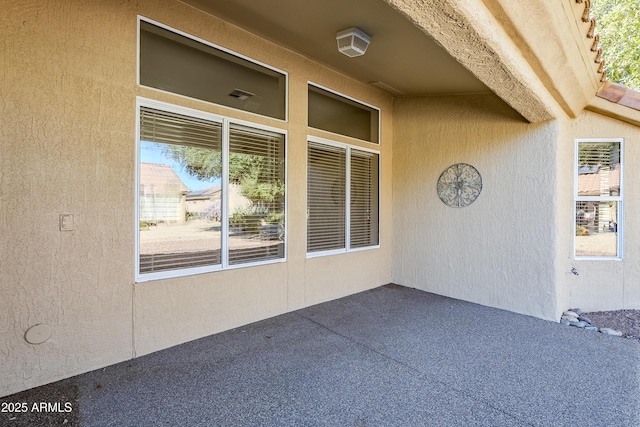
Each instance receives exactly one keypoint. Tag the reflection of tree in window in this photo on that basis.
(254, 198)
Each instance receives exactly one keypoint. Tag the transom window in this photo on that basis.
(211, 192)
(178, 63)
(335, 113)
(342, 198)
(598, 198)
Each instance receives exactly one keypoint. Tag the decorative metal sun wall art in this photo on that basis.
(459, 185)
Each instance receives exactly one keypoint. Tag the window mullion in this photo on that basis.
(347, 202)
(211, 148)
(224, 225)
(620, 227)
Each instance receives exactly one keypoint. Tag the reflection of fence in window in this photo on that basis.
(195, 144)
(253, 196)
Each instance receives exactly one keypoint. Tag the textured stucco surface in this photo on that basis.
(478, 40)
(67, 101)
(548, 35)
(500, 250)
(68, 74)
(68, 85)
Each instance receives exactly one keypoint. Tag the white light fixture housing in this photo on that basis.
(353, 42)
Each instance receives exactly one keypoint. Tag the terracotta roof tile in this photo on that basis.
(589, 184)
(620, 94)
(163, 178)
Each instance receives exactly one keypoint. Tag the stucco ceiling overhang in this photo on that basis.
(557, 40)
(418, 48)
(539, 57)
(400, 55)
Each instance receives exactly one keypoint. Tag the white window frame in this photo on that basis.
(310, 83)
(619, 199)
(226, 122)
(218, 47)
(347, 148)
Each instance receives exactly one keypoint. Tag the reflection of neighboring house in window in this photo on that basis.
(599, 182)
(596, 181)
(198, 201)
(162, 194)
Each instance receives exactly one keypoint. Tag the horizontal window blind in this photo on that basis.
(256, 198)
(598, 169)
(170, 128)
(166, 242)
(326, 184)
(364, 199)
(257, 169)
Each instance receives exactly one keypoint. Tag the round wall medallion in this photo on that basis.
(459, 185)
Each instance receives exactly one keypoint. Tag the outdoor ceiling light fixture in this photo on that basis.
(353, 42)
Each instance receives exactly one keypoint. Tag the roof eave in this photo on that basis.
(617, 101)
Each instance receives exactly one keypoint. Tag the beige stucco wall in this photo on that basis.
(600, 285)
(499, 251)
(67, 101)
(68, 85)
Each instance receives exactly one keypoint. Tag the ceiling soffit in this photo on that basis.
(400, 56)
(419, 47)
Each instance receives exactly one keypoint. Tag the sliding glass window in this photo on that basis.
(342, 198)
(211, 192)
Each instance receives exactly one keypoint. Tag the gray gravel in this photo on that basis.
(625, 321)
(392, 356)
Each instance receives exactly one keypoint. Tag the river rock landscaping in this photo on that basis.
(622, 323)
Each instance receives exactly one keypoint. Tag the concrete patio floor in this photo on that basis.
(391, 356)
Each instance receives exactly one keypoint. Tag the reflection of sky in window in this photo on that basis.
(151, 153)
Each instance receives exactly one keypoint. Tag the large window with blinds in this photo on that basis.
(211, 192)
(598, 199)
(342, 198)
